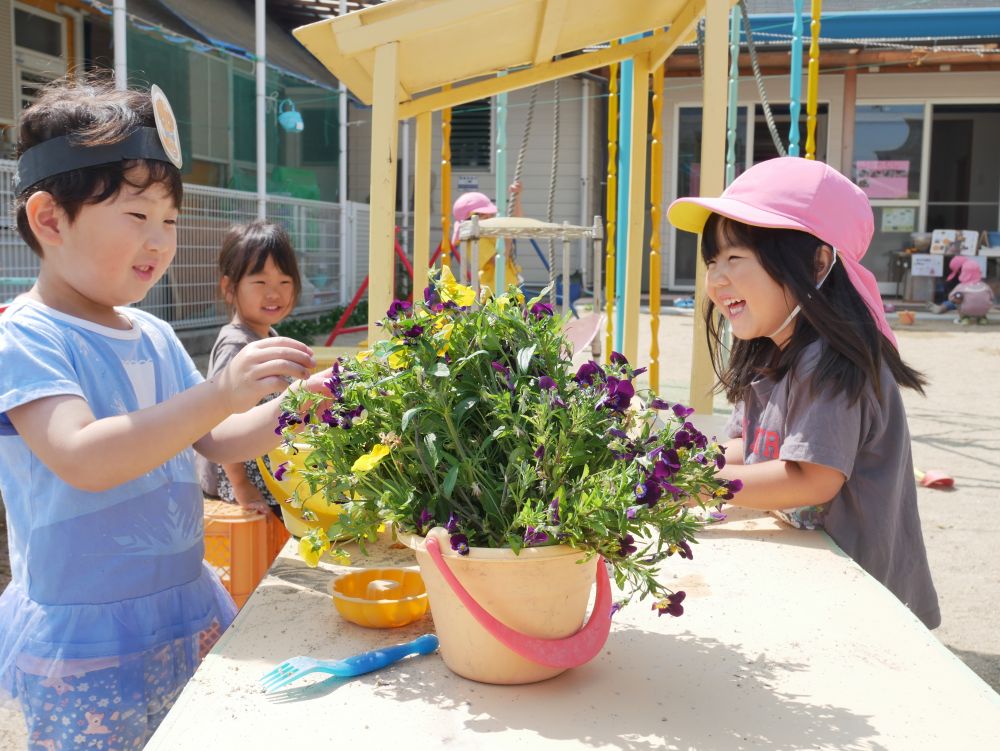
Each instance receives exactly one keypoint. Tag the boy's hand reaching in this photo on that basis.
(262, 368)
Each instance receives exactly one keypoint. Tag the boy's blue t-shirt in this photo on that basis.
(99, 573)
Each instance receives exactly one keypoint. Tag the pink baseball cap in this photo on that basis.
(799, 194)
(468, 204)
(969, 273)
(955, 265)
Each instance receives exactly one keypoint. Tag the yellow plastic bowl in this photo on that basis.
(326, 513)
(380, 597)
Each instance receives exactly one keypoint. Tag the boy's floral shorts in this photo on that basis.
(109, 708)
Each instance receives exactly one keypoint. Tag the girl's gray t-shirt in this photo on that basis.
(874, 517)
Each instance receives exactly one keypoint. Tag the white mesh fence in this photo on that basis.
(188, 295)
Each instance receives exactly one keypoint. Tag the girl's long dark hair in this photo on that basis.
(835, 313)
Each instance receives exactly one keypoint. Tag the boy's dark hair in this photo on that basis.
(92, 113)
(246, 248)
(835, 313)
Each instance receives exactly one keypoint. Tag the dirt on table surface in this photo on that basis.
(954, 428)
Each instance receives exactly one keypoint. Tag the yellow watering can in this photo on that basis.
(292, 484)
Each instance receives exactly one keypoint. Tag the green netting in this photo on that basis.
(214, 98)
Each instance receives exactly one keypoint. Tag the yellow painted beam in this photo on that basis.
(681, 30)
(436, 17)
(636, 206)
(548, 32)
(611, 212)
(655, 223)
(382, 219)
(812, 87)
(488, 87)
(713, 177)
(422, 203)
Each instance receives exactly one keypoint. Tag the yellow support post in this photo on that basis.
(382, 220)
(655, 219)
(446, 184)
(636, 237)
(813, 84)
(611, 212)
(713, 167)
(422, 204)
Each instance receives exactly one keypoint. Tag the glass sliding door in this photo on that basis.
(888, 144)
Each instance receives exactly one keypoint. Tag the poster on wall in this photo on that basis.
(925, 264)
(902, 219)
(954, 242)
(883, 178)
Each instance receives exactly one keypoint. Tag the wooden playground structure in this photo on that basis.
(390, 57)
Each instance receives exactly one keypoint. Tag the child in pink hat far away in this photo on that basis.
(818, 433)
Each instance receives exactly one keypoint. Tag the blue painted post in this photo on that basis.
(734, 85)
(795, 85)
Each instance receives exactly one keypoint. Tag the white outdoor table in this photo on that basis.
(785, 644)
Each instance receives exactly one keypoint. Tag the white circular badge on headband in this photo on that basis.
(166, 126)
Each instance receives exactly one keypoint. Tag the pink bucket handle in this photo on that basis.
(569, 652)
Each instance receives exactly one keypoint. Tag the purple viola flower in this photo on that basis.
(682, 549)
(452, 523)
(632, 511)
(414, 331)
(398, 308)
(667, 465)
(534, 536)
(639, 371)
(617, 358)
(280, 471)
(558, 402)
(541, 310)
(720, 461)
(588, 372)
(658, 403)
(329, 418)
(682, 439)
(681, 411)
(648, 493)
(626, 545)
(545, 383)
(717, 516)
(618, 396)
(671, 605)
(431, 296)
(700, 458)
(554, 512)
(505, 372)
(425, 518)
(618, 433)
(286, 420)
(460, 544)
(540, 451)
(732, 487)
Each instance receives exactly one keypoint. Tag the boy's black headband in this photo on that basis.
(59, 155)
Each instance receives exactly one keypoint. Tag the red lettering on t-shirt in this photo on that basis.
(772, 443)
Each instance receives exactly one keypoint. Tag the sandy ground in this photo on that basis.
(954, 428)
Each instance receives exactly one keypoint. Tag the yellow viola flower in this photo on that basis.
(370, 460)
(363, 355)
(399, 359)
(445, 333)
(452, 291)
(312, 547)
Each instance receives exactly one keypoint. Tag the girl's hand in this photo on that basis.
(262, 368)
(250, 499)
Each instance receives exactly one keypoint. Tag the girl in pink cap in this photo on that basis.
(972, 296)
(818, 434)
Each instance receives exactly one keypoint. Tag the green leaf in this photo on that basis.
(449, 480)
(408, 415)
(430, 440)
(462, 407)
(538, 298)
(440, 370)
(524, 358)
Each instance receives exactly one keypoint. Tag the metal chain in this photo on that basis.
(768, 116)
(552, 195)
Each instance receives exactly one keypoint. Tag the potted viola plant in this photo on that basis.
(470, 431)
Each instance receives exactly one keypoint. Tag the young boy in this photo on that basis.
(110, 608)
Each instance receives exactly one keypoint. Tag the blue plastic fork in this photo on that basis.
(296, 667)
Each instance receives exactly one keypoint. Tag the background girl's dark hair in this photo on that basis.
(246, 248)
(835, 313)
(93, 113)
